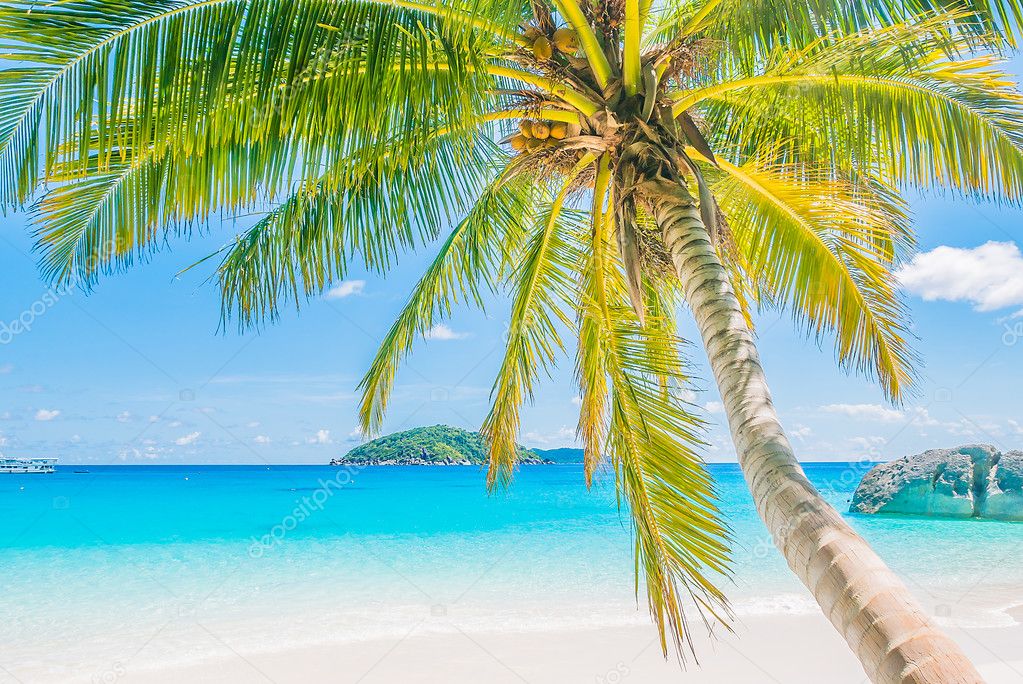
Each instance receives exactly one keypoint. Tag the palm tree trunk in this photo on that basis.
(865, 601)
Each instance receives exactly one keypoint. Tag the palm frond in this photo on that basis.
(653, 439)
(374, 206)
(300, 81)
(826, 249)
(543, 287)
(90, 225)
(753, 28)
(591, 352)
(470, 262)
(885, 103)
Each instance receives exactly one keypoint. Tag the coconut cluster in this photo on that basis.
(563, 40)
(534, 135)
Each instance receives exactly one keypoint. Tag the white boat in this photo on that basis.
(27, 465)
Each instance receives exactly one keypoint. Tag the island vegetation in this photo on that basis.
(437, 445)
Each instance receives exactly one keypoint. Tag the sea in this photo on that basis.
(102, 563)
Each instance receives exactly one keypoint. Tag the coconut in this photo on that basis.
(541, 130)
(559, 129)
(518, 142)
(526, 128)
(566, 40)
(542, 48)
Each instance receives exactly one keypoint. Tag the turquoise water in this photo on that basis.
(103, 565)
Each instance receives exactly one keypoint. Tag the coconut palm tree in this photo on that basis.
(604, 162)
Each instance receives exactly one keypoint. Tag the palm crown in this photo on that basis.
(544, 133)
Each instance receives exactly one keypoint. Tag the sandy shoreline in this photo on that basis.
(782, 648)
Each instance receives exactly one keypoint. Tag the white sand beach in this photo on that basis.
(791, 649)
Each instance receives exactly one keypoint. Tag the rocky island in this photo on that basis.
(438, 445)
(972, 481)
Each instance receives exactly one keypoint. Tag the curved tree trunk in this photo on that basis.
(865, 601)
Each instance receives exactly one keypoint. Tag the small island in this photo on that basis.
(438, 445)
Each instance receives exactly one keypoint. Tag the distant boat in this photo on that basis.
(27, 465)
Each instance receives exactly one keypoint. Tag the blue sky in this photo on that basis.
(137, 371)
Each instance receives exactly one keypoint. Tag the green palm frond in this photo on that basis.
(73, 72)
(653, 440)
(470, 261)
(752, 28)
(93, 225)
(120, 209)
(543, 287)
(278, 75)
(297, 249)
(886, 103)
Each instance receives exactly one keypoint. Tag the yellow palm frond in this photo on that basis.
(543, 283)
(825, 248)
(653, 439)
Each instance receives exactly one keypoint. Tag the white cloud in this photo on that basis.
(188, 439)
(6, 368)
(346, 288)
(3, 441)
(977, 426)
(714, 407)
(321, 437)
(874, 412)
(577, 401)
(871, 443)
(150, 453)
(261, 439)
(877, 413)
(720, 447)
(801, 432)
(1015, 427)
(561, 437)
(123, 417)
(989, 276)
(154, 419)
(253, 424)
(46, 414)
(443, 332)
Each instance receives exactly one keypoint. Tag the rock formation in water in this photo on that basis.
(973, 481)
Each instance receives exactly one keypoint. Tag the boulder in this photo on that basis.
(973, 481)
